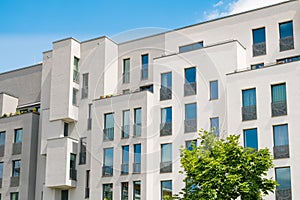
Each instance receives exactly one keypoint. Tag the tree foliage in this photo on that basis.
(221, 169)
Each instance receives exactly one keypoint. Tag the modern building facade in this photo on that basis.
(113, 116)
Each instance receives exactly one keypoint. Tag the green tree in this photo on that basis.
(222, 169)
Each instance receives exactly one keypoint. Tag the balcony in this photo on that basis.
(249, 113)
(89, 124)
(286, 43)
(124, 168)
(108, 134)
(126, 77)
(107, 171)
(17, 148)
(259, 49)
(2, 149)
(82, 158)
(166, 129)
(165, 93)
(136, 168)
(190, 125)
(125, 131)
(73, 174)
(87, 193)
(14, 181)
(144, 73)
(137, 130)
(281, 151)
(75, 76)
(284, 194)
(84, 92)
(190, 89)
(279, 108)
(165, 167)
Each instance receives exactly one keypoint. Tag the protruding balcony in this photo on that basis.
(249, 113)
(279, 108)
(165, 93)
(165, 167)
(284, 194)
(190, 125)
(259, 49)
(125, 131)
(137, 130)
(136, 168)
(286, 43)
(107, 171)
(108, 134)
(17, 148)
(190, 89)
(281, 151)
(124, 168)
(166, 128)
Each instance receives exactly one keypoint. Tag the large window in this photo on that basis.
(65, 195)
(190, 123)
(75, 70)
(82, 154)
(214, 90)
(283, 178)
(166, 158)
(126, 70)
(108, 126)
(108, 191)
(137, 190)
(2, 138)
(145, 63)
(137, 158)
(18, 135)
(73, 172)
(286, 36)
(85, 86)
(125, 159)
(16, 168)
(214, 125)
(166, 86)
(124, 191)
(166, 189)
(281, 141)
(250, 138)
(191, 47)
(108, 162)
(166, 121)
(126, 124)
(279, 105)
(14, 196)
(190, 81)
(137, 121)
(259, 41)
(249, 104)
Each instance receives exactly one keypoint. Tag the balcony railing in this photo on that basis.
(165, 93)
(166, 128)
(107, 170)
(14, 181)
(73, 174)
(259, 49)
(249, 113)
(2, 148)
(125, 131)
(137, 130)
(281, 151)
(144, 73)
(136, 168)
(17, 148)
(124, 168)
(165, 167)
(284, 194)
(190, 89)
(126, 77)
(190, 125)
(89, 124)
(84, 92)
(87, 193)
(279, 108)
(82, 157)
(75, 76)
(108, 134)
(286, 43)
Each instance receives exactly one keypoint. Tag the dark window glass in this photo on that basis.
(259, 35)
(250, 138)
(136, 190)
(286, 29)
(281, 136)
(214, 90)
(16, 168)
(283, 177)
(18, 135)
(137, 153)
(278, 92)
(2, 138)
(108, 191)
(191, 111)
(249, 97)
(191, 47)
(66, 129)
(166, 189)
(65, 195)
(125, 154)
(190, 75)
(166, 115)
(124, 191)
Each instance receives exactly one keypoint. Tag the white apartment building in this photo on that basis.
(113, 116)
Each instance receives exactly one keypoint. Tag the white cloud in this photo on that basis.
(218, 4)
(214, 14)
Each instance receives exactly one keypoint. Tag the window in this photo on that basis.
(214, 90)
(279, 105)
(166, 121)
(108, 191)
(16, 166)
(126, 124)
(18, 135)
(259, 41)
(286, 36)
(249, 104)
(190, 143)
(289, 59)
(127, 91)
(166, 86)
(125, 159)
(89, 126)
(136, 190)
(137, 122)
(1, 170)
(74, 97)
(145, 62)
(66, 129)
(73, 172)
(281, 141)
(137, 158)
(166, 158)
(87, 184)
(108, 126)
(190, 81)
(2, 138)
(85, 86)
(126, 70)
(65, 195)
(257, 66)
(190, 123)
(108, 162)
(82, 154)
(283, 178)
(214, 125)
(191, 47)
(124, 191)
(147, 88)
(75, 70)
(250, 138)
(166, 189)
(14, 196)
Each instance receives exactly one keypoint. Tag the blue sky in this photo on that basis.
(29, 27)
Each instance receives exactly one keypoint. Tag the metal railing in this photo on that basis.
(190, 89)
(249, 113)
(144, 73)
(286, 43)
(259, 49)
(281, 151)
(124, 168)
(279, 108)
(125, 131)
(166, 128)
(165, 93)
(107, 170)
(136, 168)
(165, 167)
(126, 77)
(75, 76)
(73, 174)
(190, 125)
(108, 134)
(284, 194)
(137, 130)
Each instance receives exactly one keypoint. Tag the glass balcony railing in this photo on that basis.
(281, 151)
(190, 89)
(279, 108)
(165, 167)
(249, 113)
(165, 93)
(190, 125)
(107, 170)
(136, 168)
(286, 43)
(108, 134)
(259, 49)
(166, 128)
